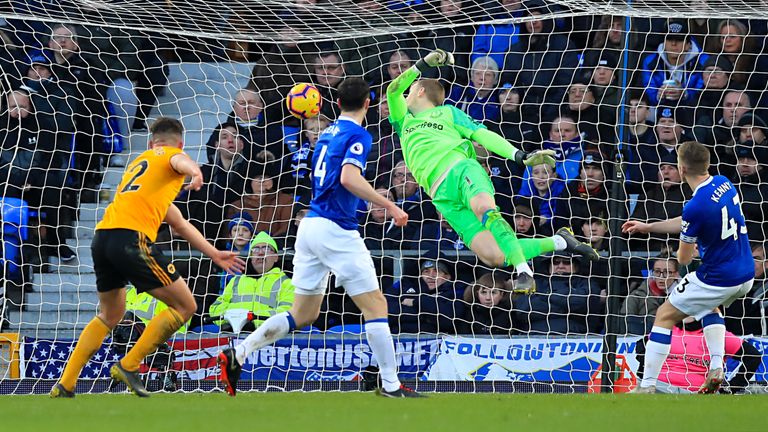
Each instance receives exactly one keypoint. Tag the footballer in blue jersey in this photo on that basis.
(343, 142)
(713, 222)
(328, 242)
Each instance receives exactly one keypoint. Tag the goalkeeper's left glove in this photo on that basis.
(536, 157)
(436, 58)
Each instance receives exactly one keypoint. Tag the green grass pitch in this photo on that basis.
(364, 412)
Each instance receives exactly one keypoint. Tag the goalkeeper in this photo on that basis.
(437, 147)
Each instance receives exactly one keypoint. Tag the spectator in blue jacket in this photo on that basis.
(480, 98)
(673, 72)
(565, 140)
(431, 303)
(561, 302)
(495, 40)
(545, 190)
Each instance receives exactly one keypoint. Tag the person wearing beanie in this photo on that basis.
(263, 289)
(240, 230)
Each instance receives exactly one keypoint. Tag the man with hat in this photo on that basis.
(752, 183)
(716, 77)
(754, 127)
(673, 72)
(263, 289)
(430, 303)
(585, 197)
(602, 69)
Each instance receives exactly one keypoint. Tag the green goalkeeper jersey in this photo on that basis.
(433, 140)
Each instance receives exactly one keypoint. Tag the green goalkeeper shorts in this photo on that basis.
(462, 182)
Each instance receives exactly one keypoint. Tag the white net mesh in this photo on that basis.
(575, 76)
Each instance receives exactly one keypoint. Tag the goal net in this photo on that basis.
(611, 86)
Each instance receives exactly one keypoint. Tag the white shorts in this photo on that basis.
(322, 247)
(697, 299)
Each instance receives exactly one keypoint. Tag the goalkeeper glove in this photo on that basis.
(436, 58)
(537, 157)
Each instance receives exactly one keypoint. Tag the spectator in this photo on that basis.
(504, 174)
(565, 140)
(661, 200)
(33, 163)
(669, 133)
(545, 191)
(594, 125)
(489, 310)
(296, 177)
(746, 316)
(753, 127)
(603, 66)
(639, 308)
(240, 230)
(542, 62)
(723, 127)
(258, 134)
(88, 102)
(752, 183)
(429, 304)
(409, 196)
(736, 44)
(378, 231)
(642, 140)
(438, 235)
(328, 73)
(716, 77)
(479, 98)
(672, 74)
(264, 289)
(609, 36)
(524, 224)
(385, 152)
(595, 231)
(495, 40)
(585, 198)
(560, 304)
(224, 175)
(511, 124)
(271, 210)
(685, 368)
(397, 61)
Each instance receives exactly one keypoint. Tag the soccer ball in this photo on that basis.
(304, 101)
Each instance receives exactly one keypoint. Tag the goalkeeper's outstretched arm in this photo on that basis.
(398, 108)
(497, 144)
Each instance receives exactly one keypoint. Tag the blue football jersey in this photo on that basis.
(343, 142)
(713, 220)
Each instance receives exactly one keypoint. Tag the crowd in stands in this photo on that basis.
(557, 84)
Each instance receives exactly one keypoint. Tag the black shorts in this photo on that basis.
(121, 256)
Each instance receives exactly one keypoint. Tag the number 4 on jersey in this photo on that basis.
(320, 167)
(729, 226)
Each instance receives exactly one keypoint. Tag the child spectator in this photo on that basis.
(240, 231)
(489, 310)
(545, 189)
(297, 167)
(595, 231)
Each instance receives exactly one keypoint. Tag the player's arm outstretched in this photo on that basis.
(395, 90)
(685, 251)
(227, 261)
(352, 179)
(183, 164)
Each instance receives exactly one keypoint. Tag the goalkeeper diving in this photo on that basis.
(436, 140)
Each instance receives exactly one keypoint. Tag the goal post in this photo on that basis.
(596, 81)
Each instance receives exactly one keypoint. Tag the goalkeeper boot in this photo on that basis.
(402, 392)
(58, 391)
(524, 284)
(715, 378)
(576, 247)
(131, 379)
(230, 370)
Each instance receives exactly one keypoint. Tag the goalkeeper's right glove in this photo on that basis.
(536, 157)
(436, 58)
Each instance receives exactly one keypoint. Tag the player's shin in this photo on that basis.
(507, 240)
(271, 330)
(89, 342)
(656, 352)
(380, 340)
(159, 329)
(714, 335)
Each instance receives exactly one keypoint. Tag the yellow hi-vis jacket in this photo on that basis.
(144, 306)
(267, 295)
